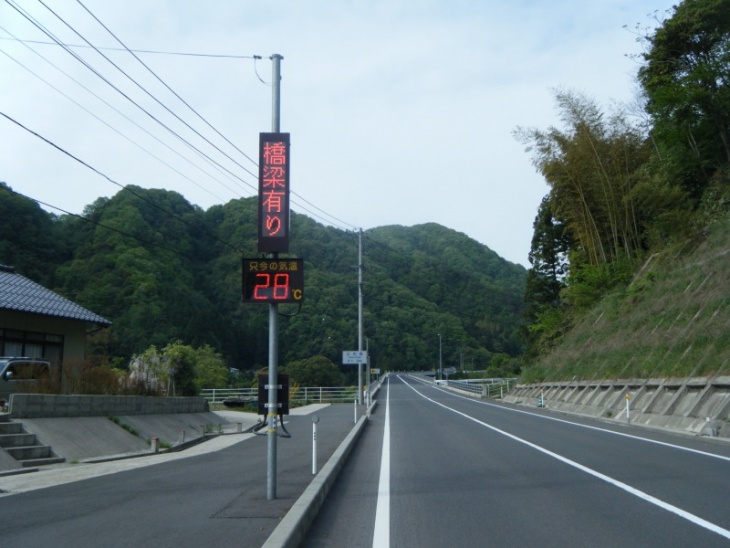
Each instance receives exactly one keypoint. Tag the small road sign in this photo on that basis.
(354, 357)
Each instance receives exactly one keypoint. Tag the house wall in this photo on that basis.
(73, 331)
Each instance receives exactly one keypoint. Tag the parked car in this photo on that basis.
(21, 375)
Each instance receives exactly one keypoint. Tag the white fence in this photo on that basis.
(299, 395)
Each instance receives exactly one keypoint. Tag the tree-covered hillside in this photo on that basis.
(630, 187)
(163, 270)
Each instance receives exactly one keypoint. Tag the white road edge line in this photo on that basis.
(381, 534)
(588, 426)
(631, 490)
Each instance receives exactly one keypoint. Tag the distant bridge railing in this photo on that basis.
(299, 395)
(485, 388)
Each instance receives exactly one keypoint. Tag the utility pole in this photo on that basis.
(359, 316)
(272, 414)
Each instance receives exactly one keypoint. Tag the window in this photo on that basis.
(15, 343)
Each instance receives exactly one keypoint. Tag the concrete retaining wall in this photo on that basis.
(29, 406)
(697, 405)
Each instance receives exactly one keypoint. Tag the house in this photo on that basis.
(37, 323)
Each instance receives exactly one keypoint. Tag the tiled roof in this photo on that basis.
(23, 295)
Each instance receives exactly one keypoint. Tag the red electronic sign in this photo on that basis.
(273, 231)
(273, 281)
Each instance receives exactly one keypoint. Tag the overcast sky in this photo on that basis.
(400, 111)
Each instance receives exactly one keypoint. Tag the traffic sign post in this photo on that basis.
(273, 280)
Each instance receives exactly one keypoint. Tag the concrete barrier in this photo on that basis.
(30, 406)
(687, 405)
(293, 527)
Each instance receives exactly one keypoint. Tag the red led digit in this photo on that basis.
(281, 286)
(272, 281)
(261, 285)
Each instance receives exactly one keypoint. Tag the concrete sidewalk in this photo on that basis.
(79, 439)
(299, 496)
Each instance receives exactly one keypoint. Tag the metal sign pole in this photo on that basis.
(359, 317)
(273, 315)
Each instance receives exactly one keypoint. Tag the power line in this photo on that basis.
(196, 112)
(123, 187)
(143, 89)
(149, 114)
(180, 53)
(112, 127)
(165, 84)
(221, 168)
(97, 223)
(342, 223)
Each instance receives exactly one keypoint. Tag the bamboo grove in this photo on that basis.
(626, 182)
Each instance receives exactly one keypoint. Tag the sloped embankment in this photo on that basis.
(673, 321)
(664, 341)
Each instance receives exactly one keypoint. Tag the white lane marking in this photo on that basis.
(588, 426)
(631, 490)
(381, 534)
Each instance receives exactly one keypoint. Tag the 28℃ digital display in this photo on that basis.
(273, 280)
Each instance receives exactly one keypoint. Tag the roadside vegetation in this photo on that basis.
(630, 246)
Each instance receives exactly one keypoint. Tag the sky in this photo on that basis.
(400, 112)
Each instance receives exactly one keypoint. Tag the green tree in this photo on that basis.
(162, 270)
(548, 257)
(179, 369)
(182, 359)
(143, 266)
(210, 369)
(314, 371)
(591, 167)
(686, 79)
(547, 277)
(27, 236)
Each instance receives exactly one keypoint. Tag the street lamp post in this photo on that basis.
(441, 369)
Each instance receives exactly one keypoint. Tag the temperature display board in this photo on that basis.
(273, 281)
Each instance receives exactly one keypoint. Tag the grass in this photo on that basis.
(131, 429)
(673, 321)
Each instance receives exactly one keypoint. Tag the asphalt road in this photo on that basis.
(469, 473)
(216, 498)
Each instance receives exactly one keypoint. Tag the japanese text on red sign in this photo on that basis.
(274, 192)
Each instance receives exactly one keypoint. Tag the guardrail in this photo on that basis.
(485, 388)
(299, 395)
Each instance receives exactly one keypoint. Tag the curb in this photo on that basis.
(297, 521)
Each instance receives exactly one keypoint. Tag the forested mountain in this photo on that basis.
(164, 270)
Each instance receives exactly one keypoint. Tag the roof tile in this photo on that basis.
(23, 295)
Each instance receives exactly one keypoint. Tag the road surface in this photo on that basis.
(435, 469)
